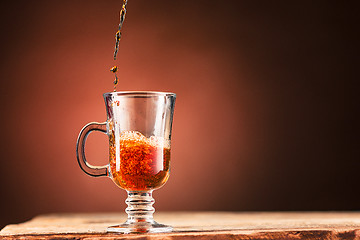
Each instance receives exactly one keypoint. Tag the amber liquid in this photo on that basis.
(141, 164)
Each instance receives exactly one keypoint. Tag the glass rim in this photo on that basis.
(140, 94)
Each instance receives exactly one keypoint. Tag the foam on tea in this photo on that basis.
(141, 163)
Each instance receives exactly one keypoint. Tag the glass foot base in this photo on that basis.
(140, 227)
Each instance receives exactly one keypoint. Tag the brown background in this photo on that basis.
(264, 119)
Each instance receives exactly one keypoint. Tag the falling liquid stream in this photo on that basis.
(117, 42)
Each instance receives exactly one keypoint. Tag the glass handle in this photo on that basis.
(94, 171)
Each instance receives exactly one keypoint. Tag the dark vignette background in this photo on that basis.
(265, 118)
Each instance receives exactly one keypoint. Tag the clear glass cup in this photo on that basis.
(139, 129)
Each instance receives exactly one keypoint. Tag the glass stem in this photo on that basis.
(140, 207)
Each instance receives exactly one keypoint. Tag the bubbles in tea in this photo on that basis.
(140, 163)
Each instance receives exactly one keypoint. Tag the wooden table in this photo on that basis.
(196, 225)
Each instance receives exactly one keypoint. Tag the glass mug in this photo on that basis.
(139, 129)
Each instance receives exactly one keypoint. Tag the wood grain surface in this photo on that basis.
(195, 225)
